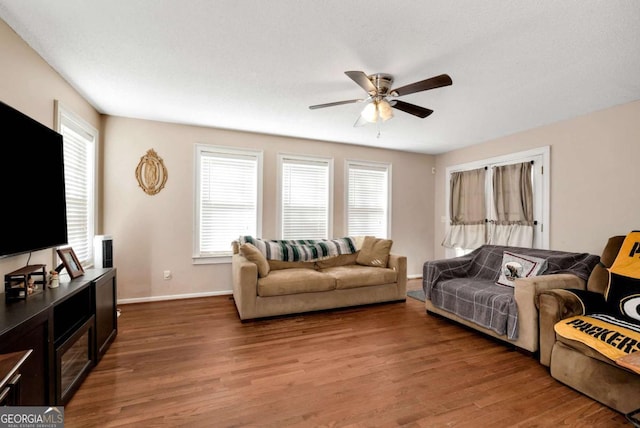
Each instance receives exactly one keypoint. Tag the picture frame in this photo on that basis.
(70, 262)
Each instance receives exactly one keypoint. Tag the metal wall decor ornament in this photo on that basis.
(151, 173)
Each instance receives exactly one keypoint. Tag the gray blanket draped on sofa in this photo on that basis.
(466, 285)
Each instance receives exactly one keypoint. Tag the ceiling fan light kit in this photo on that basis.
(378, 88)
(377, 110)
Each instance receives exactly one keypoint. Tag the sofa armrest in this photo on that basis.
(245, 285)
(553, 306)
(532, 286)
(525, 292)
(399, 264)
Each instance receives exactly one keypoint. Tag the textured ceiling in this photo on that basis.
(257, 65)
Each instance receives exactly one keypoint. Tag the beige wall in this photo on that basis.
(154, 233)
(594, 180)
(30, 85)
(595, 176)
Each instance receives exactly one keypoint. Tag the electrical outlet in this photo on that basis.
(167, 274)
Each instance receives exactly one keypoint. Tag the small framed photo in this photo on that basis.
(70, 262)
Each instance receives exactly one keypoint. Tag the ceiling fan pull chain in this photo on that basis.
(378, 124)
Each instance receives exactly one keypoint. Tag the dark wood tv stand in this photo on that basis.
(68, 329)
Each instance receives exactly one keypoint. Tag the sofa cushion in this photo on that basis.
(584, 349)
(279, 265)
(519, 266)
(254, 255)
(341, 260)
(605, 334)
(374, 252)
(354, 276)
(294, 281)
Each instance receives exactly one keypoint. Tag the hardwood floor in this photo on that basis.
(193, 363)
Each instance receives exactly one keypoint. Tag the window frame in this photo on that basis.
(541, 190)
(65, 117)
(387, 166)
(282, 158)
(200, 150)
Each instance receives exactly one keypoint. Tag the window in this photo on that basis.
(80, 141)
(539, 159)
(368, 198)
(305, 197)
(228, 198)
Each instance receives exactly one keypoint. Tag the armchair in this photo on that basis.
(571, 361)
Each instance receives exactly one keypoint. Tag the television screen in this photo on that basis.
(32, 187)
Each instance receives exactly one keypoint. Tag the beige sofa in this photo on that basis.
(463, 289)
(296, 287)
(525, 293)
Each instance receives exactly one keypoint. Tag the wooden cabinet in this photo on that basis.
(66, 328)
(10, 377)
(106, 312)
(31, 334)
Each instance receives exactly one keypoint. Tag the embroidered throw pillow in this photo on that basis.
(519, 266)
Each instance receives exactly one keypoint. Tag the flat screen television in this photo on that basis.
(32, 190)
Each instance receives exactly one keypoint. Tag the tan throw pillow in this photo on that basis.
(251, 253)
(374, 252)
(335, 261)
(281, 265)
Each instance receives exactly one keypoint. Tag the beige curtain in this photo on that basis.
(513, 199)
(467, 210)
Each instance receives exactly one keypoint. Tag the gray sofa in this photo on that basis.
(296, 287)
(464, 290)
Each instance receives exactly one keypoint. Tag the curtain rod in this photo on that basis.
(486, 167)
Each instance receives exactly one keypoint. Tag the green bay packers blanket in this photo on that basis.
(614, 333)
(610, 336)
(623, 292)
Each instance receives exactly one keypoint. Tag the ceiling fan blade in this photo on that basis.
(337, 103)
(413, 109)
(423, 85)
(361, 79)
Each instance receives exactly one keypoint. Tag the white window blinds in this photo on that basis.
(79, 173)
(305, 197)
(229, 198)
(368, 199)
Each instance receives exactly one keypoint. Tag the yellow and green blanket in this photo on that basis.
(615, 333)
(610, 336)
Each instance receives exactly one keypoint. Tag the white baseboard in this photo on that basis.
(196, 295)
(174, 297)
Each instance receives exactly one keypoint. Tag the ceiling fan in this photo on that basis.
(379, 107)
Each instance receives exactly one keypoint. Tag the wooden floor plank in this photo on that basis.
(193, 363)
